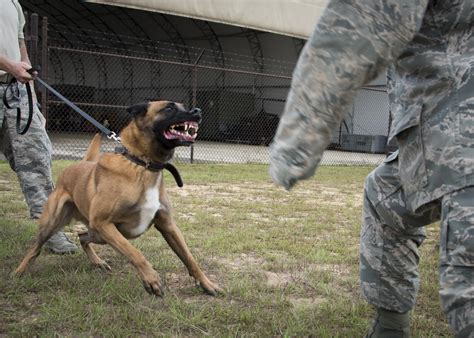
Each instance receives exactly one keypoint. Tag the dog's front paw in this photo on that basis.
(153, 285)
(209, 287)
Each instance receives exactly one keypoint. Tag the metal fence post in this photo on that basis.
(31, 40)
(33, 43)
(27, 30)
(194, 100)
(44, 66)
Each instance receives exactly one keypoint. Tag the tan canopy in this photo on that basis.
(295, 18)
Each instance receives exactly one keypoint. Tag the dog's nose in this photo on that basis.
(196, 111)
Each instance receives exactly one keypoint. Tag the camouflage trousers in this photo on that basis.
(391, 235)
(29, 155)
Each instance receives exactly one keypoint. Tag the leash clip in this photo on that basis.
(114, 137)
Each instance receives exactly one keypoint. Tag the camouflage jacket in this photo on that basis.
(430, 45)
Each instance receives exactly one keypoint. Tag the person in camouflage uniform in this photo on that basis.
(429, 45)
(29, 155)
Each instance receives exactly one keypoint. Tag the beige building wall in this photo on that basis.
(295, 18)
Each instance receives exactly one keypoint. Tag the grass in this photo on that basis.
(288, 263)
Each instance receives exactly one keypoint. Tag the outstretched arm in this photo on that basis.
(353, 42)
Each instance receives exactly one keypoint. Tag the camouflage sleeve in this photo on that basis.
(391, 83)
(352, 43)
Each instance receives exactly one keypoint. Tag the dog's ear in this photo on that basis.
(138, 109)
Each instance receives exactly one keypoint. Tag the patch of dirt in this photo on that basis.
(304, 303)
(186, 216)
(339, 270)
(324, 195)
(243, 191)
(177, 281)
(278, 280)
(191, 189)
(328, 196)
(260, 217)
(243, 261)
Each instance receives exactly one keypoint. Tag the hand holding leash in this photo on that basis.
(20, 71)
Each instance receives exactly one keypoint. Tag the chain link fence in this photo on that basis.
(242, 97)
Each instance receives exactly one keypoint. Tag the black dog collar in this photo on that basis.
(152, 166)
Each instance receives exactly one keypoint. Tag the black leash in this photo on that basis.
(110, 134)
(18, 109)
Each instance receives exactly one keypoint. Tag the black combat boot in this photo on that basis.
(390, 324)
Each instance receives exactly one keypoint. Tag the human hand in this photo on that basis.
(20, 71)
(294, 156)
(287, 165)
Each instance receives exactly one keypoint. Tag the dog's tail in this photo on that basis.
(93, 151)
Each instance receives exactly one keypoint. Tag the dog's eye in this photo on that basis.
(168, 110)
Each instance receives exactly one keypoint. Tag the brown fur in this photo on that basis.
(107, 192)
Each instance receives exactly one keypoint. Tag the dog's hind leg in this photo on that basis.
(86, 239)
(56, 214)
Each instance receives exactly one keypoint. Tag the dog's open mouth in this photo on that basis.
(184, 131)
